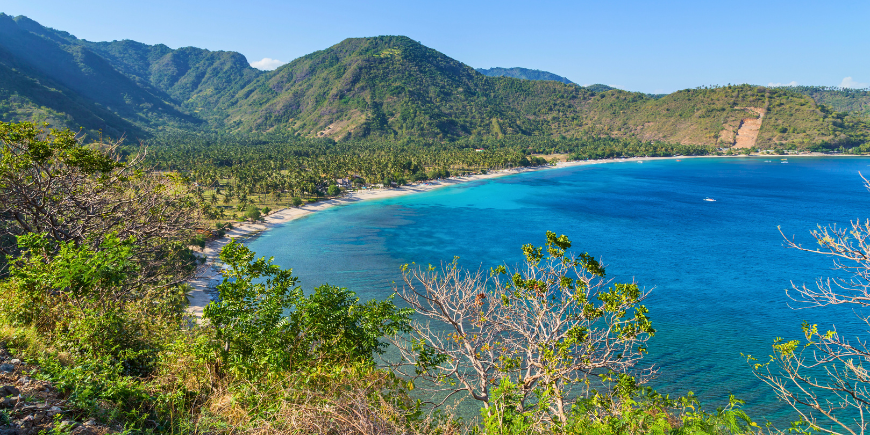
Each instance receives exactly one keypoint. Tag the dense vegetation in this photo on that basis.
(92, 297)
(233, 172)
(522, 73)
(95, 302)
(381, 88)
(838, 99)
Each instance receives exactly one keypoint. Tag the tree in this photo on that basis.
(266, 324)
(297, 201)
(53, 184)
(253, 213)
(825, 379)
(546, 328)
(333, 190)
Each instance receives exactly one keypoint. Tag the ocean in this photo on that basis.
(717, 269)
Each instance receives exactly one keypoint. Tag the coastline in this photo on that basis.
(207, 276)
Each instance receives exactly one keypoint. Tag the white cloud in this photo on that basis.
(791, 83)
(848, 82)
(267, 64)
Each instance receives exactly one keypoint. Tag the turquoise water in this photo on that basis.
(718, 269)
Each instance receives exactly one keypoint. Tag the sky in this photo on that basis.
(647, 46)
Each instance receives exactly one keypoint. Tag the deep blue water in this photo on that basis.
(718, 269)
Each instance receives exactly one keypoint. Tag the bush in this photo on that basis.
(256, 336)
(297, 201)
(88, 302)
(253, 213)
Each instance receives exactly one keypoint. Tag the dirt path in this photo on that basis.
(747, 133)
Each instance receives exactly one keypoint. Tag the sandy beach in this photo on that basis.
(208, 275)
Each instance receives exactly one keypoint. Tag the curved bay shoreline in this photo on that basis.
(207, 276)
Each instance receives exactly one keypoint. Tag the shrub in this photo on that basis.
(266, 325)
(253, 213)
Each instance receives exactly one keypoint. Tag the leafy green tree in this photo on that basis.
(265, 324)
(253, 213)
(249, 318)
(297, 201)
(333, 190)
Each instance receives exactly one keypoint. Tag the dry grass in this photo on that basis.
(348, 404)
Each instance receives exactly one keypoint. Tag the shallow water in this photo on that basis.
(718, 269)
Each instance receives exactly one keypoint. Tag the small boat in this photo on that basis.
(709, 199)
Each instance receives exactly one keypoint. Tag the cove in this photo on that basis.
(718, 269)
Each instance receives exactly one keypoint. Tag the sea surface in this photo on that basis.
(718, 270)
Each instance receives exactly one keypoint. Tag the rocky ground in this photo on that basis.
(30, 406)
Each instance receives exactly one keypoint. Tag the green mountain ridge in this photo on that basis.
(387, 87)
(839, 99)
(45, 53)
(522, 73)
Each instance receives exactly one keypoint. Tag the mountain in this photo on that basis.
(522, 73)
(388, 87)
(393, 86)
(55, 61)
(197, 80)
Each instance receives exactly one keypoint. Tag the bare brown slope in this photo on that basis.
(747, 133)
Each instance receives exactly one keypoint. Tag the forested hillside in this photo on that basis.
(385, 88)
(711, 116)
(839, 99)
(522, 73)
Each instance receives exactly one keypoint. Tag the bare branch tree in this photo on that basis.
(825, 378)
(51, 183)
(549, 327)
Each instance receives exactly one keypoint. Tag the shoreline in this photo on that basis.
(207, 275)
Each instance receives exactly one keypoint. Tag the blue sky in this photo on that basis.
(643, 46)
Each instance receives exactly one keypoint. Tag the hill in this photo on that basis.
(711, 116)
(598, 87)
(522, 73)
(838, 99)
(388, 87)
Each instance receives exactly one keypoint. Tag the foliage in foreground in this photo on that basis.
(253, 370)
(270, 359)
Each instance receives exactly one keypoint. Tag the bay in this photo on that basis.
(718, 270)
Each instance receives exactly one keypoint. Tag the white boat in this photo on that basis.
(709, 199)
